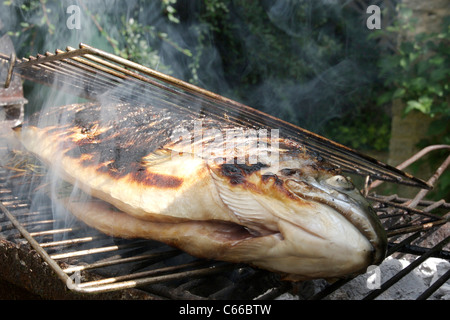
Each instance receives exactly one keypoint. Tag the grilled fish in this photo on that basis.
(285, 210)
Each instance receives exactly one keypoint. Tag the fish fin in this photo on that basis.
(156, 157)
(245, 206)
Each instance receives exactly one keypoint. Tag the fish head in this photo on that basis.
(340, 195)
(319, 223)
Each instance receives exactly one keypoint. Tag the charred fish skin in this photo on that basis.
(296, 216)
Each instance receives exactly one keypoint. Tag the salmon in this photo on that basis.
(211, 188)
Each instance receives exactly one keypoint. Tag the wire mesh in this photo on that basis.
(72, 249)
(97, 75)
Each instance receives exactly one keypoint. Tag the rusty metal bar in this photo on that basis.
(93, 251)
(411, 160)
(404, 207)
(410, 229)
(50, 232)
(422, 193)
(65, 55)
(151, 280)
(395, 198)
(66, 242)
(150, 256)
(142, 274)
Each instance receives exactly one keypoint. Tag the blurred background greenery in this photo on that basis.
(312, 63)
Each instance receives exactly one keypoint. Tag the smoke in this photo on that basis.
(324, 67)
(303, 61)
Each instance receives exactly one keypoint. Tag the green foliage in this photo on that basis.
(170, 10)
(419, 72)
(137, 47)
(40, 25)
(366, 129)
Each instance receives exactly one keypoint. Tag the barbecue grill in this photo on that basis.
(39, 247)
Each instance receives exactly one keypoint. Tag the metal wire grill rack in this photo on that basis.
(98, 75)
(71, 249)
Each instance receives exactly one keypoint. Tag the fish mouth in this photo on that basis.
(340, 194)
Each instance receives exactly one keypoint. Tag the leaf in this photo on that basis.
(413, 56)
(438, 74)
(384, 98)
(436, 89)
(423, 67)
(443, 108)
(425, 100)
(392, 29)
(437, 60)
(406, 47)
(403, 63)
(439, 126)
(418, 84)
(187, 52)
(400, 92)
(421, 106)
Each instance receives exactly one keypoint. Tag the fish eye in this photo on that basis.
(340, 182)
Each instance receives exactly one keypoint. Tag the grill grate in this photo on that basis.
(97, 75)
(75, 248)
(72, 249)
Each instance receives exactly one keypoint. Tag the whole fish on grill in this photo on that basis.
(287, 210)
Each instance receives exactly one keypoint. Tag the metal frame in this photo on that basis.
(95, 74)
